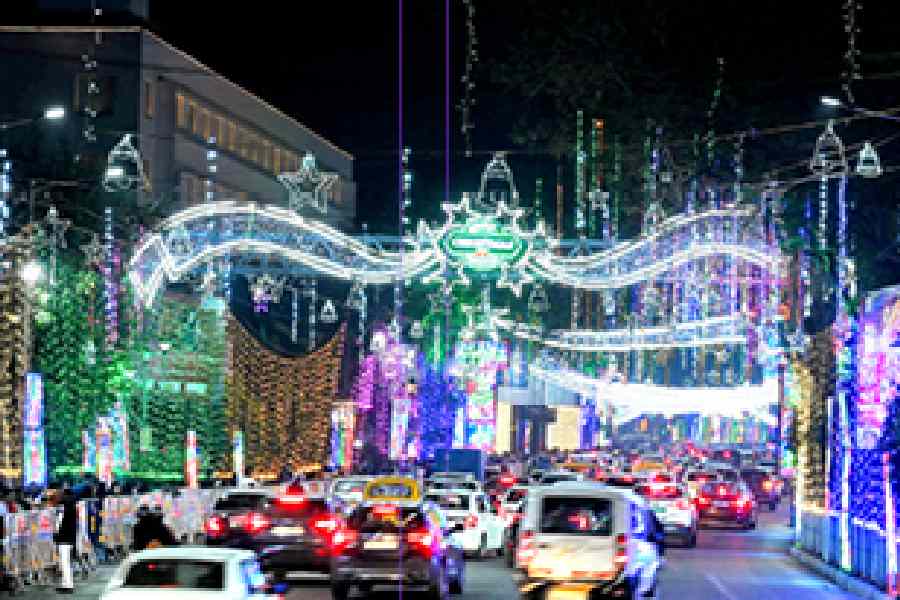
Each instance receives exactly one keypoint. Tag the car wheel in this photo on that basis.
(438, 590)
(340, 591)
(692, 540)
(752, 524)
(773, 505)
(456, 585)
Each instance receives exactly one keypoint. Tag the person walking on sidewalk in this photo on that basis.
(65, 541)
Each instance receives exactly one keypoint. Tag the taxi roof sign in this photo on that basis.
(393, 490)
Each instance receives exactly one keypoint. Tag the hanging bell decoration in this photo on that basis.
(869, 164)
(124, 167)
(356, 297)
(828, 157)
(416, 331)
(328, 315)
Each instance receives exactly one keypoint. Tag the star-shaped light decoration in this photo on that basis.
(93, 251)
(309, 186)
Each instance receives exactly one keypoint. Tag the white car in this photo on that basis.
(513, 501)
(673, 508)
(188, 573)
(347, 492)
(589, 539)
(477, 528)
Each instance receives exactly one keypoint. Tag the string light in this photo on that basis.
(467, 104)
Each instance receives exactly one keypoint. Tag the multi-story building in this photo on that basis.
(126, 79)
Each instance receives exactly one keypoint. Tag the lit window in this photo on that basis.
(266, 158)
(232, 136)
(276, 160)
(195, 118)
(181, 115)
(149, 100)
(207, 124)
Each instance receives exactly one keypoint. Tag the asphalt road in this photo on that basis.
(725, 565)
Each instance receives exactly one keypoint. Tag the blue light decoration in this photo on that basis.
(588, 422)
(35, 452)
(439, 401)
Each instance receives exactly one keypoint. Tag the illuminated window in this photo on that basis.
(232, 136)
(276, 160)
(207, 124)
(181, 115)
(196, 127)
(149, 100)
(221, 131)
(266, 156)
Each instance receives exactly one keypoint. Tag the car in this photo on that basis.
(346, 493)
(673, 508)
(586, 539)
(482, 528)
(401, 544)
(513, 506)
(553, 477)
(726, 502)
(764, 485)
(694, 480)
(188, 572)
(230, 513)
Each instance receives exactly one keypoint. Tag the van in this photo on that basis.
(587, 540)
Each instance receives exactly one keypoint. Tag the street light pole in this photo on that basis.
(833, 102)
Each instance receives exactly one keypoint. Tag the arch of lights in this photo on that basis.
(483, 237)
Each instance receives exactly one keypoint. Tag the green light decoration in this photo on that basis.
(482, 244)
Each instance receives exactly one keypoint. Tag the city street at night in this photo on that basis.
(476, 299)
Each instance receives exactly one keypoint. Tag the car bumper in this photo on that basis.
(295, 560)
(617, 587)
(726, 517)
(678, 530)
(414, 572)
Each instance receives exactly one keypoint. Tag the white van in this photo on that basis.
(584, 539)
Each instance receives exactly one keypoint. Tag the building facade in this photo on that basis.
(119, 80)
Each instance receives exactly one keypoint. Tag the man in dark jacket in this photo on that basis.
(65, 541)
(150, 531)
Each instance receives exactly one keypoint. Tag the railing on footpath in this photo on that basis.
(104, 532)
(820, 535)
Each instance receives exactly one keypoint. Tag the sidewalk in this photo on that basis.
(84, 590)
(843, 580)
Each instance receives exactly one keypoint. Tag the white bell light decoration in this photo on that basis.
(416, 331)
(124, 166)
(869, 164)
(328, 314)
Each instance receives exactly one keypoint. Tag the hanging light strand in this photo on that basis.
(468, 79)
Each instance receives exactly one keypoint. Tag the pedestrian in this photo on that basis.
(65, 541)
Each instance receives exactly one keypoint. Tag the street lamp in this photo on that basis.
(830, 101)
(51, 113)
(32, 272)
(54, 113)
(834, 102)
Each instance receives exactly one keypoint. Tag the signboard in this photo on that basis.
(87, 452)
(237, 455)
(191, 464)
(35, 463)
(34, 402)
(482, 244)
(878, 365)
(104, 449)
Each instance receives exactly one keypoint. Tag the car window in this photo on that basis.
(349, 487)
(380, 517)
(516, 495)
(576, 515)
(241, 502)
(450, 501)
(176, 574)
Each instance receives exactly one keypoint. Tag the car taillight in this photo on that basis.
(215, 526)
(767, 485)
(385, 511)
(256, 522)
(324, 526)
(507, 480)
(471, 522)
(292, 499)
(342, 539)
(621, 550)
(526, 551)
(682, 504)
(421, 541)
(742, 503)
(703, 500)
(723, 491)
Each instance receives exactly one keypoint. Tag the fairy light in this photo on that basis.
(467, 103)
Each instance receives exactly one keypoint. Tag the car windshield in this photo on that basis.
(727, 491)
(700, 476)
(241, 502)
(557, 477)
(349, 487)
(176, 574)
(450, 501)
(453, 484)
(575, 515)
(516, 495)
(384, 516)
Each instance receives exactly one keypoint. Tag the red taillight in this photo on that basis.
(507, 480)
(526, 551)
(325, 524)
(703, 500)
(342, 539)
(471, 522)
(256, 522)
(621, 557)
(421, 541)
(767, 485)
(682, 504)
(742, 503)
(723, 491)
(215, 526)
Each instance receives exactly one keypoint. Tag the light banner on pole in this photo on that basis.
(34, 463)
(237, 455)
(190, 460)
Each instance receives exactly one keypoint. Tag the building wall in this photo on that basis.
(184, 103)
